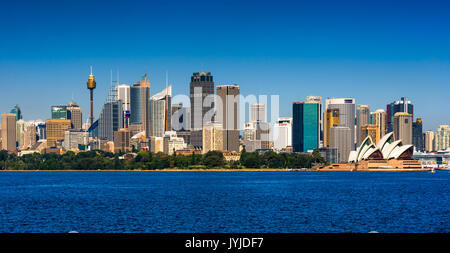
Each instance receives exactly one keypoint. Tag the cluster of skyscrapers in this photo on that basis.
(133, 118)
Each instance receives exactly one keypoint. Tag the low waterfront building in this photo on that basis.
(157, 144)
(331, 155)
(173, 143)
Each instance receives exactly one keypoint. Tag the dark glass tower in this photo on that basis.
(202, 104)
(417, 135)
(403, 105)
(16, 110)
(305, 127)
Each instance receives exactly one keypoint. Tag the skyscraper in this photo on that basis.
(16, 110)
(160, 112)
(379, 119)
(429, 141)
(362, 119)
(111, 117)
(56, 131)
(29, 136)
(75, 115)
(346, 108)
(282, 133)
(340, 139)
(258, 112)
(202, 104)
(228, 115)
(331, 119)
(442, 138)
(21, 125)
(370, 130)
(9, 131)
(139, 104)
(403, 105)
(76, 139)
(417, 135)
(122, 139)
(110, 120)
(212, 137)
(59, 112)
(305, 126)
(403, 127)
(123, 93)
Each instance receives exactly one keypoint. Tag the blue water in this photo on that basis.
(224, 202)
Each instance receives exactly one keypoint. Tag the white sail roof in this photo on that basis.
(166, 92)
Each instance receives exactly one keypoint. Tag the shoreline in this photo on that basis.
(230, 170)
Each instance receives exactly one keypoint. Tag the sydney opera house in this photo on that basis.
(388, 153)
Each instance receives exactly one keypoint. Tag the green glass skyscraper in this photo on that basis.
(306, 126)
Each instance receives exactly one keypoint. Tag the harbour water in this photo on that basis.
(237, 202)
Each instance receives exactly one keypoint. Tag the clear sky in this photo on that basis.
(373, 51)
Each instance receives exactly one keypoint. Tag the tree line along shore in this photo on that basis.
(145, 160)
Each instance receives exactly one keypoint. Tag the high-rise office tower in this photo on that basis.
(76, 139)
(29, 136)
(16, 110)
(379, 119)
(55, 129)
(60, 112)
(317, 100)
(417, 135)
(212, 137)
(442, 138)
(91, 84)
(258, 113)
(123, 93)
(9, 131)
(331, 119)
(370, 130)
(429, 141)
(181, 118)
(75, 115)
(139, 104)
(340, 138)
(122, 139)
(227, 103)
(160, 112)
(20, 133)
(111, 117)
(249, 132)
(403, 105)
(305, 126)
(282, 133)
(262, 133)
(403, 127)
(41, 130)
(346, 108)
(202, 104)
(362, 119)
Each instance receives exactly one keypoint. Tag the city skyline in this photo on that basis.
(306, 49)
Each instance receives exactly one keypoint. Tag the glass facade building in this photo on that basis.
(403, 105)
(305, 127)
(417, 135)
(60, 112)
(135, 105)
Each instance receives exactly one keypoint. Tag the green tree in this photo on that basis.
(213, 159)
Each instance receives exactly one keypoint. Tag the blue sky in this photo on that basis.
(373, 51)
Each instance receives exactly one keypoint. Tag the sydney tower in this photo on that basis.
(91, 84)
